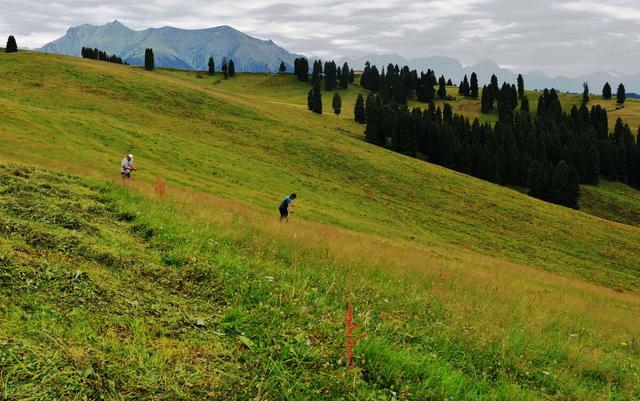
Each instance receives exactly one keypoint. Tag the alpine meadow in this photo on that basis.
(394, 278)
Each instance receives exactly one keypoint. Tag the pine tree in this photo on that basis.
(225, 67)
(565, 188)
(473, 90)
(149, 62)
(352, 76)
(345, 77)
(585, 93)
(337, 104)
(314, 99)
(442, 89)
(212, 66)
(359, 112)
(301, 69)
(464, 87)
(449, 82)
(524, 106)
(232, 69)
(606, 91)
(485, 106)
(12, 46)
(622, 95)
(520, 86)
(283, 67)
(592, 175)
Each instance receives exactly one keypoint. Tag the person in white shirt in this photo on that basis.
(126, 168)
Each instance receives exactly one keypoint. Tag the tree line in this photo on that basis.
(550, 154)
(97, 54)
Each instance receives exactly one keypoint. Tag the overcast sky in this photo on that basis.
(553, 36)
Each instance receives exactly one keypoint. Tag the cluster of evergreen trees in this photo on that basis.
(469, 88)
(12, 46)
(228, 68)
(333, 77)
(550, 154)
(621, 95)
(97, 54)
(149, 60)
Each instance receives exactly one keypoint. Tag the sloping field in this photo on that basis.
(465, 289)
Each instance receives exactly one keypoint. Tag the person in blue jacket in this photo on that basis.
(286, 206)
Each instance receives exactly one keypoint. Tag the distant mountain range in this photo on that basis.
(191, 49)
(175, 48)
(452, 68)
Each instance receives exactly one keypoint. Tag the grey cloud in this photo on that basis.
(557, 37)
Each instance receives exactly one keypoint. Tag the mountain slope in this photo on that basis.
(465, 289)
(175, 48)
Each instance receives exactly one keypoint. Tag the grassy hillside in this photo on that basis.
(464, 288)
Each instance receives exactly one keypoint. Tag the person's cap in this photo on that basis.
(130, 156)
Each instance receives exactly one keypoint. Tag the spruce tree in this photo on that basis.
(585, 93)
(345, 77)
(449, 82)
(524, 106)
(212, 66)
(352, 76)
(464, 87)
(283, 67)
(337, 104)
(225, 68)
(520, 86)
(232, 69)
(485, 105)
(149, 62)
(473, 90)
(622, 95)
(442, 89)
(359, 110)
(12, 46)
(592, 175)
(565, 188)
(606, 91)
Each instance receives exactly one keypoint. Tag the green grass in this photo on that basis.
(464, 288)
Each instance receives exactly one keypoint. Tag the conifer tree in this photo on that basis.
(283, 67)
(345, 77)
(359, 112)
(149, 62)
(565, 188)
(12, 46)
(485, 105)
(352, 76)
(524, 106)
(622, 95)
(520, 86)
(449, 82)
(301, 69)
(592, 174)
(442, 89)
(473, 83)
(337, 104)
(225, 67)
(212, 66)
(606, 91)
(314, 99)
(585, 93)
(232, 69)
(464, 87)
